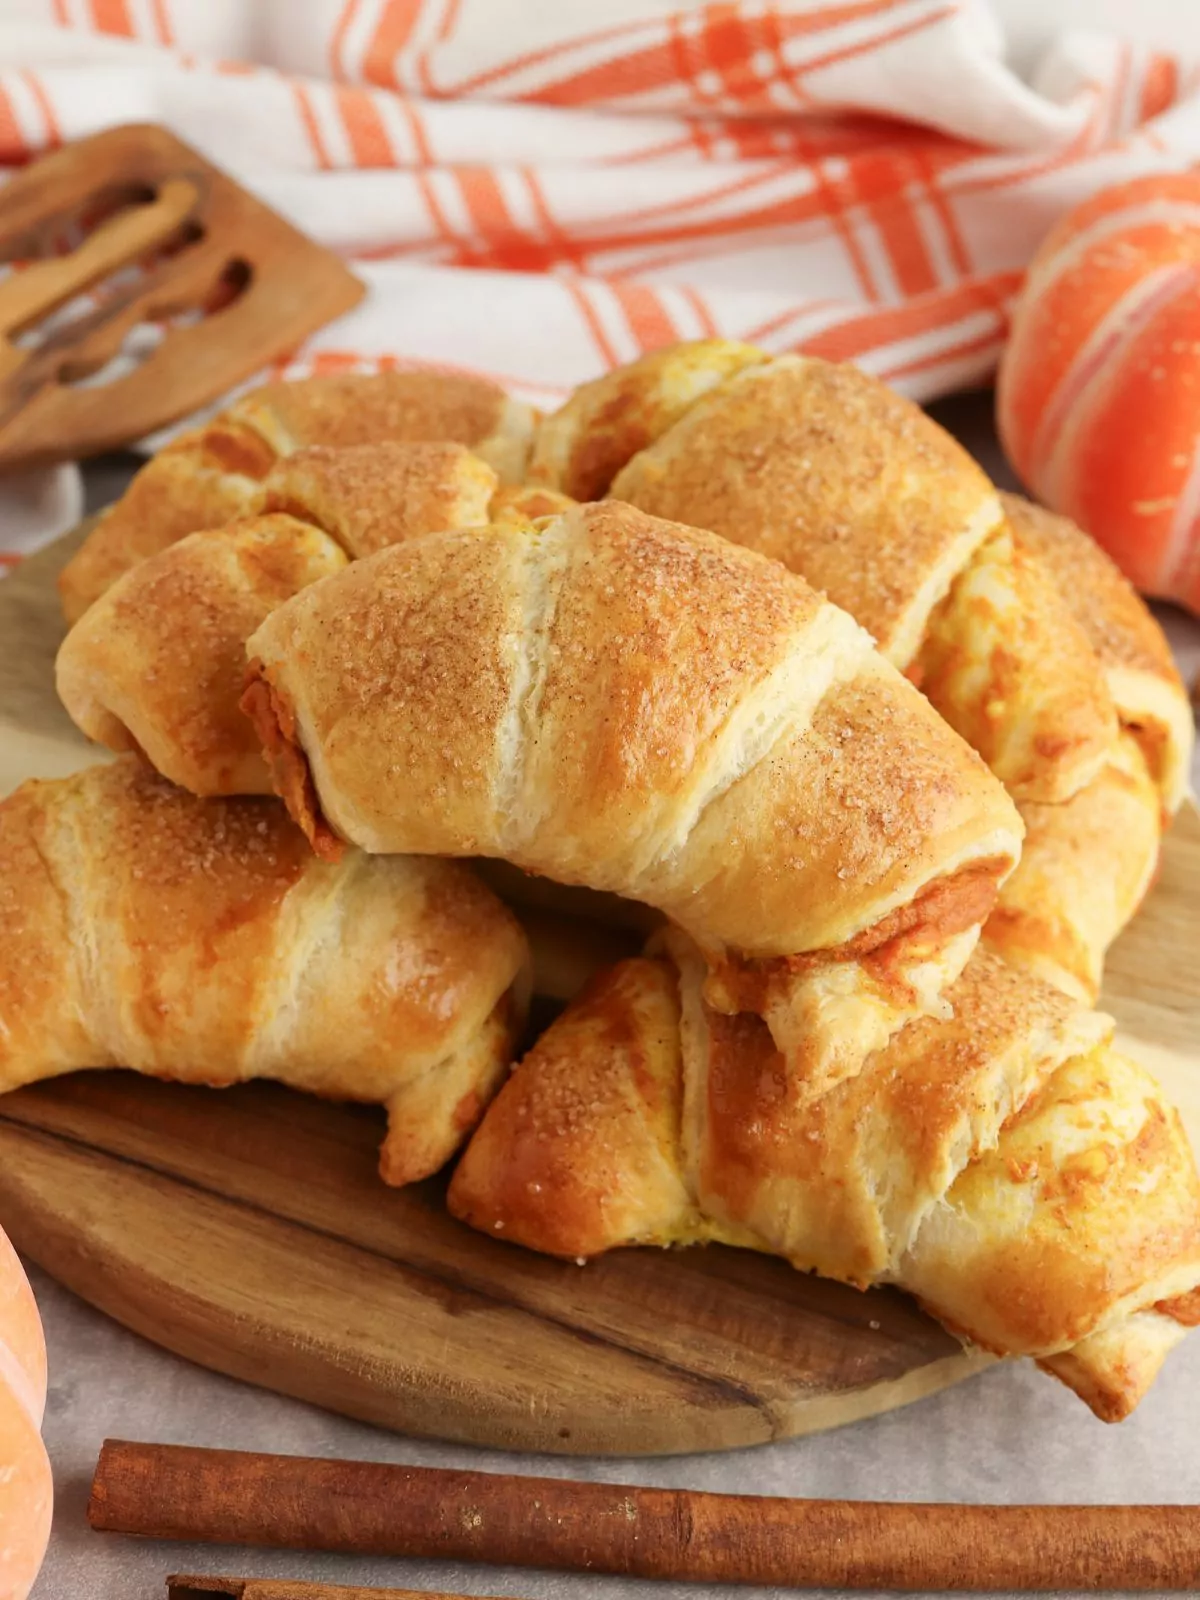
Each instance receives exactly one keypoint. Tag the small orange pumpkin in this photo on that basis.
(26, 1492)
(1098, 400)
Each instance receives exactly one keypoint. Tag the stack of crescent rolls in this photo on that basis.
(836, 772)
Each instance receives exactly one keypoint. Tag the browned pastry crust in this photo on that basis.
(1013, 623)
(1005, 1165)
(850, 484)
(409, 407)
(581, 448)
(372, 495)
(523, 502)
(156, 664)
(1085, 868)
(214, 473)
(832, 473)
(200, 480)
(200, 940)
(613, 701)
(1143, 679)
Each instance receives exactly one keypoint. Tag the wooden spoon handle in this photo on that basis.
(366, 1508)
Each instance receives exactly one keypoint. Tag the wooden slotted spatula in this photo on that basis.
(173, 238)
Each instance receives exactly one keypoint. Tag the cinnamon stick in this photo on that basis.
(183, 1587)
(365, 1508)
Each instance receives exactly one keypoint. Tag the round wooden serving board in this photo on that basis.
(246, 1229)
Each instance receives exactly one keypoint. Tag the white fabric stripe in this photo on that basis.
(976, 325)
(445, 188)
(581, 55)
(608, 313)
(858, 221)
(358, 36)
(682, 312)
(801, 51)
(142, 20)
(803, 324)
(519, 202)
(29, 117)
(424, 37)
(401, 134)
(933, 231)
(322, 102)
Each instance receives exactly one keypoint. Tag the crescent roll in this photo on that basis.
(156, 663)
(1150, 696)
(613, 701)
(851, 485)
(1007, 1166)
(202, 941)
(1085, 868)
(368, 496)
(212, 474)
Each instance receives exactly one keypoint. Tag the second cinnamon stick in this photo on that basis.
(366, 1508)
(183, 1587)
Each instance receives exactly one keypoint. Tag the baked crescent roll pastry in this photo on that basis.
(202, 941)
(201, 479)
(1085, 868)
(215, 473)
(832, 473)
(1007, 1166)
(610, 700)
(522, 502)
(1150, 696)
(156, 663)
(581, 447)
(368, 496)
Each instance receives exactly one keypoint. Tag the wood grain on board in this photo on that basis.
(246, 1228)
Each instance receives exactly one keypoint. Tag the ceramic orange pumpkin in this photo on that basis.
(1098, 402)
(25, 1485)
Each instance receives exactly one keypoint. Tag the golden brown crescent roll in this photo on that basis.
(1085, 868)
(202, 941)
(214, 473)
(200, 480)
(583, 446)
(971, 594)
(156, 664)
(1144, 681)
(610, 700)
(1007, 1166)
(368, 496)
(853, 486)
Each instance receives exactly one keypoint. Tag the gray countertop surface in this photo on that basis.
(1007, 1435)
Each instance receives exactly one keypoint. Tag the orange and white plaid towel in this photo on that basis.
(537, 188)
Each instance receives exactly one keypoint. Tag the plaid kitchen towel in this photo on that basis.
(535, 189)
